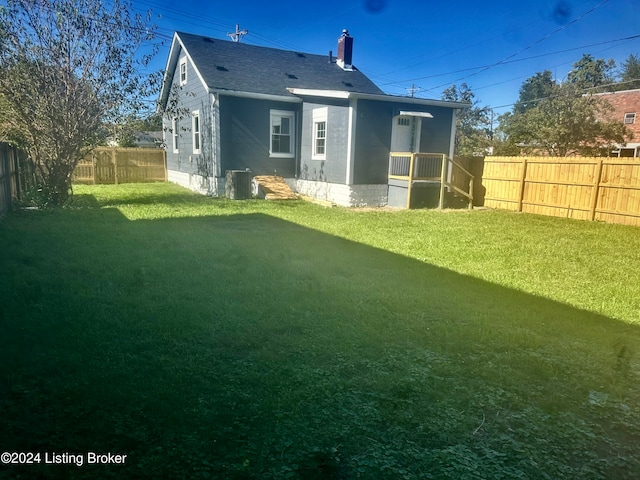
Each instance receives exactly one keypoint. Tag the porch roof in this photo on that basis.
(416, 114)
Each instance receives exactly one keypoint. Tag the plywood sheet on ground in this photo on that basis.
(274, 188)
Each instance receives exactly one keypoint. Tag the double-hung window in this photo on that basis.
(195, 130)
(319, 134)
(282, 126)
(183, 71)
(175, 135)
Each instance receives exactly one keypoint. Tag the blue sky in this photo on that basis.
(493, 46)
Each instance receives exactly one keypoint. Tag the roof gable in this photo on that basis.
(223, 65)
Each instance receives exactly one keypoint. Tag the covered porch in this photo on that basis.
(423, 180)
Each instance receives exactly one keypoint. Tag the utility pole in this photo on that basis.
(238, 34)
(413, 90)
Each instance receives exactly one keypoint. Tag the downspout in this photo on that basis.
(351, 140)
(298, 140)
(452, 141)
(215, 144)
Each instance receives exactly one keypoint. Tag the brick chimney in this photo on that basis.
(345, 51)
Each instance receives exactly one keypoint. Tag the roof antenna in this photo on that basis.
(238, 34)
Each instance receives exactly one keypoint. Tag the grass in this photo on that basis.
(207, 338)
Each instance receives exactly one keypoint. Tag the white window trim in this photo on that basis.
(292, 134)
(183, 63)
(629, 118)
(319, 115)
(196, 115)
(175, 134)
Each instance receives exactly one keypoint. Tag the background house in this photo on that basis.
(626, 109)
(140, 139)
(315, 120)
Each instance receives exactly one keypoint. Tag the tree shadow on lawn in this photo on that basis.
(250, 347)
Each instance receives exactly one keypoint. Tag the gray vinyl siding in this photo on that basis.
(245, 136)
(373, 140)
(333, 168)
(435, 136)
(193, 96)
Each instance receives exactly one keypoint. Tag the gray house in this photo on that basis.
(315, 120)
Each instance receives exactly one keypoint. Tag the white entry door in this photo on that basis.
(402, 134)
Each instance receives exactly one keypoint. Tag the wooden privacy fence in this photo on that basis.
(9, 180)
(122, 165)
(604, 189)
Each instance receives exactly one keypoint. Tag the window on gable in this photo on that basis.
(175, 134)
(195, 129)
(319, 134)
(282, 134)
(629, 118)
(183, 71)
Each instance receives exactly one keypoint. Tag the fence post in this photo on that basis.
(410, 185)
(523, 178)
(596, 190)
(114, 158)
(164, 161)
(443, 179)
(93, 167)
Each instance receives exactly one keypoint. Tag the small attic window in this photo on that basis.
(183, 71)
(291, 76)
(221, 68)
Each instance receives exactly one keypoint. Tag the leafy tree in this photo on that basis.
(66, 68)
(473, 128)
(533, 89)
(566, 123)
(630, 75)
(503, 145)
(590, 72)
(9, 132)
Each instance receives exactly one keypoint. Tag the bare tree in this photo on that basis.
(67, 68)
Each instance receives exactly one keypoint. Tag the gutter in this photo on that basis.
(256, 96)
(342, 94)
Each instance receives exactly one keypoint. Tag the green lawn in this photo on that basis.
(207, 338)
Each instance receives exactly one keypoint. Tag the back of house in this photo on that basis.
(315, 120)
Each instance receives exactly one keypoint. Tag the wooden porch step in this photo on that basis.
(272, 187)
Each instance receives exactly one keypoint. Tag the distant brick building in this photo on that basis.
(626, 109)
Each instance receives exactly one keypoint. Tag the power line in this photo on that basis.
(584, 90)
(633, 37)
(451, 52)
(528, 47)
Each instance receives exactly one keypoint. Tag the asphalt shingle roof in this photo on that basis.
(226, 65)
